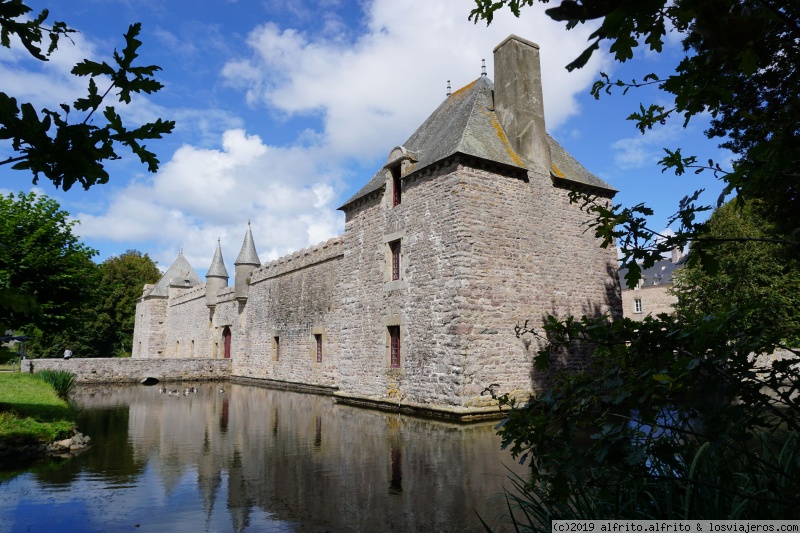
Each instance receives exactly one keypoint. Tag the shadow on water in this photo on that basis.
(256, 459)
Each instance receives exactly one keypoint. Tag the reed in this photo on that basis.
(62, 381)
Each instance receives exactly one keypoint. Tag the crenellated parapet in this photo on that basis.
(325, 251)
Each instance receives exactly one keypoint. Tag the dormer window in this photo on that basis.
(399, 161)
(396, 191)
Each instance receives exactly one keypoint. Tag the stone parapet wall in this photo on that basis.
(319, 253)
(187, 295)
(295, 302)
(188, 333)
(99, 370)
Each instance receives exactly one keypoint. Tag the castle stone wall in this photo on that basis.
(293, 299)
(189, 332)
(527, 255)
(151, 329)
(129, 370)
(481, 253)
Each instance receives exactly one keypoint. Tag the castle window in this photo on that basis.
(394, 346)
(276, 348)
(318, 342)
(394, 248)
(637, 305)
(396, 191)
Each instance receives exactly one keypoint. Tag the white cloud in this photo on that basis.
(645, 150)
(202, 194)
(369, 93)
(373, 92)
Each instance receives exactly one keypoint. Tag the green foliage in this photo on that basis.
(65, 151)
(30, 411)
(710, 485)
(104, 322)
(669, 419)
(43, 266)
(759, 277)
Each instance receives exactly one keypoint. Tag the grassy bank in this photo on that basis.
(31, 411)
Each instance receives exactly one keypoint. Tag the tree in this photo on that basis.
(41, 262)
(105, 320)
(674, 417)
(54, 144)
(120, 285)
(755, 276)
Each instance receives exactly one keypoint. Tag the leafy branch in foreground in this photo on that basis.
(656, 395)
(65, 151)
(30, 32)
(641, 246)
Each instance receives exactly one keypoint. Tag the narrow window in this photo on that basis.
(394, 247)
(394, 343)
(396, 192)
(318, 341)
(637, 305)
(276, 347)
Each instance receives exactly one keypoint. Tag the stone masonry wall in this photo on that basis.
(481, 253)
(423, 303)
(129, 370)
(151, 329)
(527, 255)
(189, 331)
(229, 313)
(656, 299)
(293, 299)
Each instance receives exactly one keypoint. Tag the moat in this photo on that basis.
(234, 457)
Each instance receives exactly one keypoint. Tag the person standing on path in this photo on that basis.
(67, 353)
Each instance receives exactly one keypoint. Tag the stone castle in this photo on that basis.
(465, 232)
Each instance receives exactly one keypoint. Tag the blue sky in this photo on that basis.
(285, 108)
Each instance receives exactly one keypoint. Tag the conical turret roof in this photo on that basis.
(248, 255)
(217, 268)
(180, 270)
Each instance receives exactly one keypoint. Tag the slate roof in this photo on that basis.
(658, 274)
(248, 255)
(181, 272)
(465, 123)
(217, 268)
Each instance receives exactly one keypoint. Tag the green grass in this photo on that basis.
(31, 411)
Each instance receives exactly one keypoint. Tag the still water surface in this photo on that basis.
(256, 459)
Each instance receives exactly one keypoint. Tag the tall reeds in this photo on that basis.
(62, 381)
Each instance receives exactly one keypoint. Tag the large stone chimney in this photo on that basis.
(518, 101)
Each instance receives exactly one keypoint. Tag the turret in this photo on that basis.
(518, 100)
(245, 264)
(216, 278)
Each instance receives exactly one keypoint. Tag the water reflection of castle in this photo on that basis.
(306, 461)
